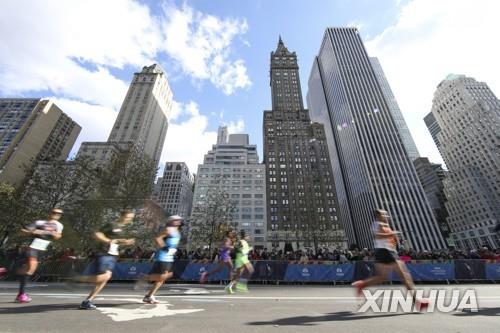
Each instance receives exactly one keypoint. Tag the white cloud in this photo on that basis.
(70, 47)
(189, 140)
(430, 40)
(236, 127)
(201, 45)
(43, 43)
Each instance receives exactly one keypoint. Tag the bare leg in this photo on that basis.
(404, 275)
(159, 280)
(100, 281)
(229, 265)
(382, 272)
(218, 268)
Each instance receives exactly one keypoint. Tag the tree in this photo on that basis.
(14, 213)
(59, 183)
(211, 219)
(128, 180)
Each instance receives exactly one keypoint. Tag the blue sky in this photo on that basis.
(83, 55)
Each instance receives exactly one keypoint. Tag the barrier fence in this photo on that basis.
(283, 271)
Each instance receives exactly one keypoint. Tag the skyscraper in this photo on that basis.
(175, 193)
(371, 165)
(233, 167)
(403, 130)
(302, 209)
(468, 115)
(434, 129)
(31, 130)
(143, 118)
(431, 177)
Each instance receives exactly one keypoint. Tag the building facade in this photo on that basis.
(233, 167)
(142, 121)
(370, 163)
(32, 130)
(468, 115)
(175, 190)
(431, 177)
(302, 209)
(403, 130)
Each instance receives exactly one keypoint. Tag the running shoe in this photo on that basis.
(203, 277)
(359, 285)
(150, 300)
(87, 305)
(229, 289)
(3, 271)
(421, 304)
(23, 298)
(241, 287)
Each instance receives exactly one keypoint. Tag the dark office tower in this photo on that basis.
(302, 209)
(370, 164)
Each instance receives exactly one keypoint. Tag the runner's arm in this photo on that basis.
(159, 239)
(102, 238)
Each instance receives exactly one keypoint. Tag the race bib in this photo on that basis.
(171, 252)
(39, 244)
(113, 249)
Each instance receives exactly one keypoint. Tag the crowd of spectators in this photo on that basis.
(300, 256)
(344, 256)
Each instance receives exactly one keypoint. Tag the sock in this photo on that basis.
(22, 283)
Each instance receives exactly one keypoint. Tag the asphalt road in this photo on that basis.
(195, 308)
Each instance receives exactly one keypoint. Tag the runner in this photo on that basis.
(42, 233)
(108, 240)
(386, 258)
(224, 257)
(242, 265)
(162, 269)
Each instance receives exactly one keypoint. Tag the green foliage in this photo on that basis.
(210, 220)
(90, 195)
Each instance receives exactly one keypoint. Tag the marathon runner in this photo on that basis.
(387, 258)
(224, 257)
(162, 270)
(243, 266)
(108, 240)
(42, 232)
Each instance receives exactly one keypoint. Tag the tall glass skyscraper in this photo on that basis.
(403, 130)
(371, 166)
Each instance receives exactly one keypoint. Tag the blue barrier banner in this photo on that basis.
(342, 272)
(269, 270)
(307, 273)
(363, 270)
(470, 269)
(193, 272)
(493, 271)
(130, 271)
(429, 272)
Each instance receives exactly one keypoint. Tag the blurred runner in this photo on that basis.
(243, 266)
(387, 259)
(224, 257)
(42, 233)
(162, 270)
(108, 240)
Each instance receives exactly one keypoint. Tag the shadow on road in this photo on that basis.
(40, 308)
(481, 312)
(314, 320)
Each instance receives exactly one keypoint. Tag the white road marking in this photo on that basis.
(312, 298)
(145, 311)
